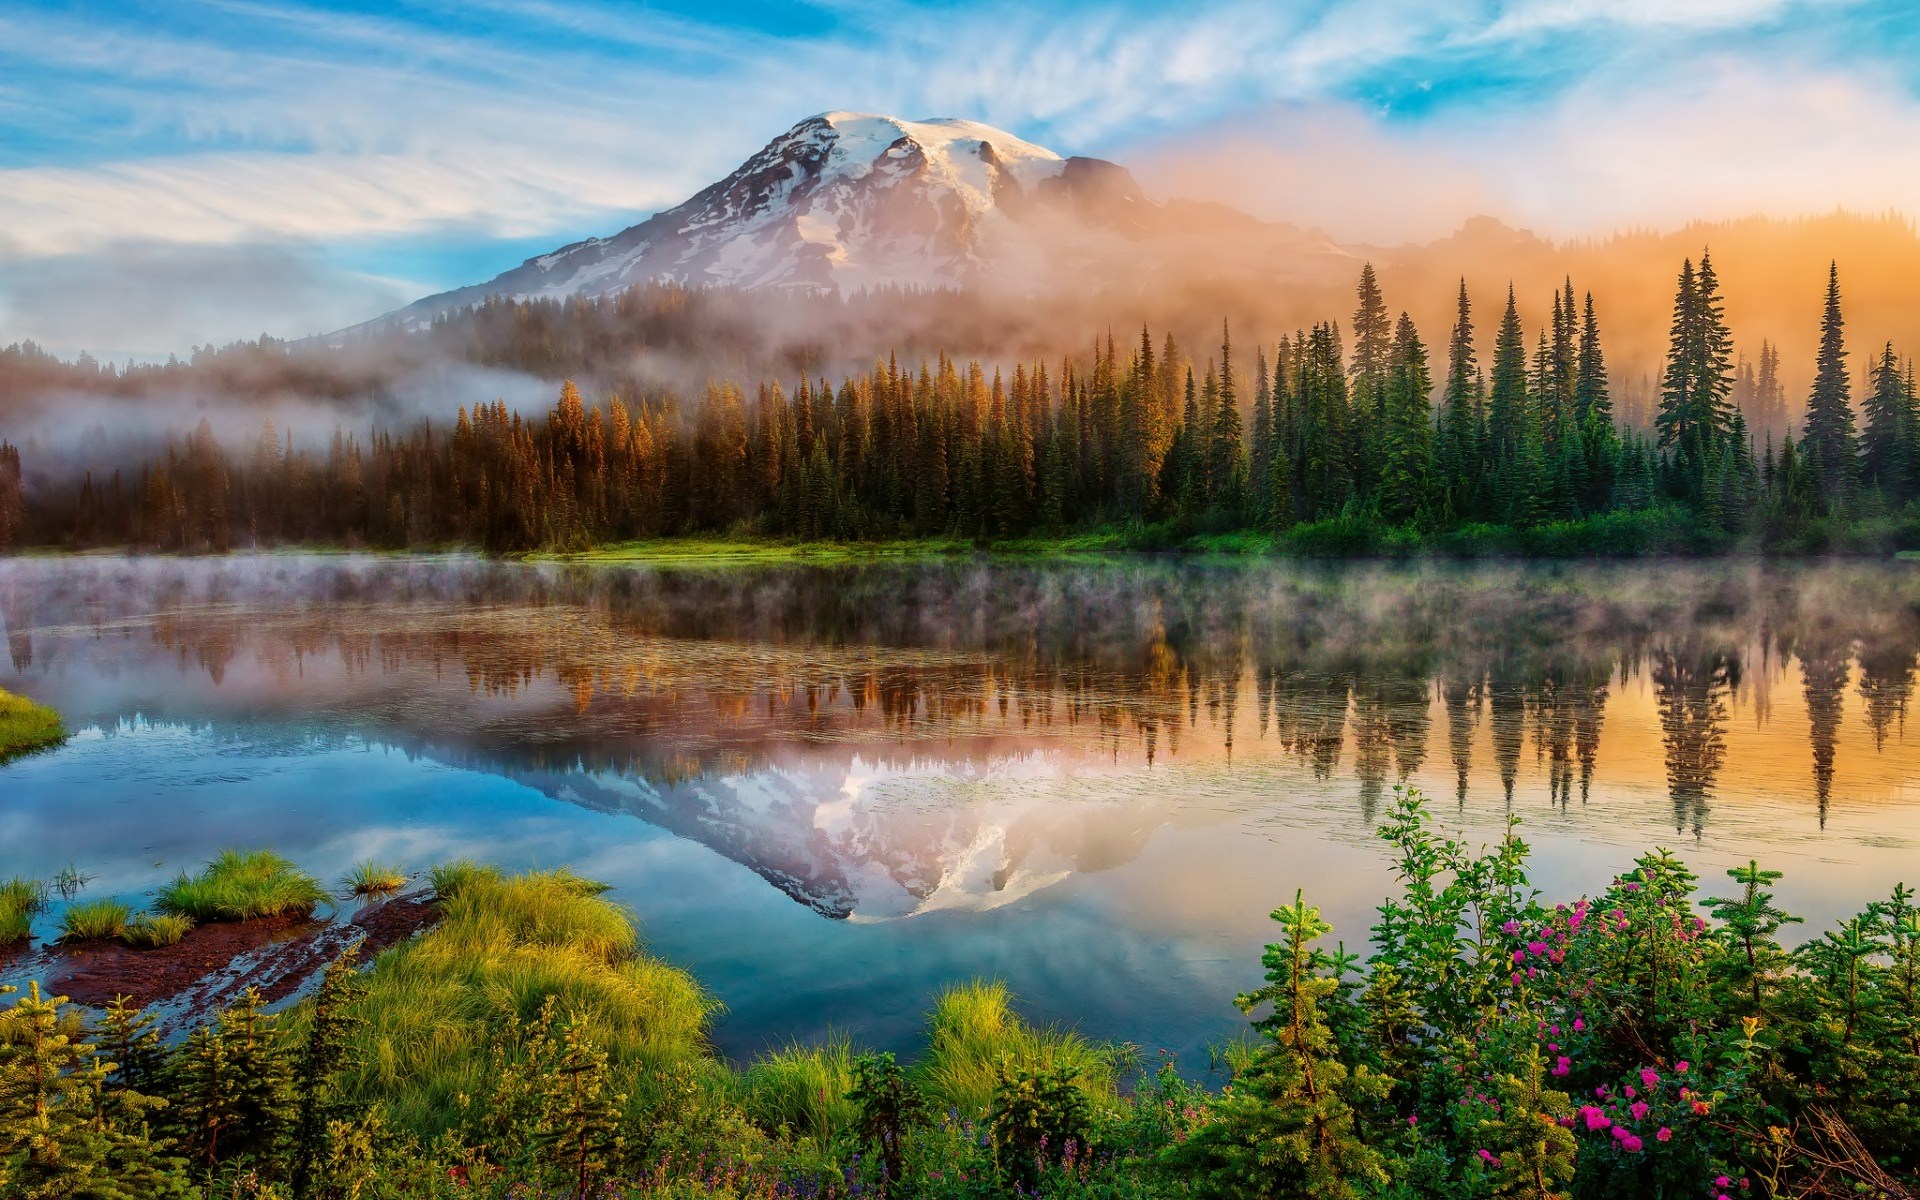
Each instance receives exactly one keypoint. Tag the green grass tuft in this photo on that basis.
(241, 885)
(87, 920)
(370, 878)
(802, 1089)
(150, 931)
(973, 1029)
(21, 900)
(26, 727)
(434, 1005)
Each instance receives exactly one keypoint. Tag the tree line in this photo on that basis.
(1359, 424)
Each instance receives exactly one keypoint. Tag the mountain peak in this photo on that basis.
(842, 200)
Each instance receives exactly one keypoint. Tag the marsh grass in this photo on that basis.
(434, 1007)
(88, 920)
(973, 1032)
(150, 931)
(241, 885)
(26, 727)
(802, 1089)
(370, 878)
(21, 900)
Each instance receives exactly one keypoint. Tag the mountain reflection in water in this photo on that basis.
(884, 741)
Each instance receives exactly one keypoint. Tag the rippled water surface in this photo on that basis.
(828, 791)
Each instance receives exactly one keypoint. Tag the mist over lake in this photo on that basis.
(830, 790)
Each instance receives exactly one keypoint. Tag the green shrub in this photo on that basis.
(370, 878)
(86, 920)
(150, 931)
(21, 900)
(241, 885)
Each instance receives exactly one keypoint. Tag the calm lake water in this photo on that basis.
(830, 791)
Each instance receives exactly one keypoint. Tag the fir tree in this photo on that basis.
(1829, 444)
(1457, 442)
(1289, 1128)
(1408, 458)
(1226, 469)
(1888, 434)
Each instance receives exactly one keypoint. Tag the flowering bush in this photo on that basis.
(1630, 1044)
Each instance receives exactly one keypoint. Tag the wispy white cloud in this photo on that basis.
(239, 122)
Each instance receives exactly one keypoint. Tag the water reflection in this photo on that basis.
(882, 741)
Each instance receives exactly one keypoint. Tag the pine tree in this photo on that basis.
(1889, 419)
(1695, 390)
(1289, 1128)
(1372, 361)
(1593, 404)
(1457, 442)
(64, 1132)
(1507, 409)
(579, 1117)
(1828, 443)
(326, 1050)
(1226, 469)
(1408, 458)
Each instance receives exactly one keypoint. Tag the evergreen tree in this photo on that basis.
(1457, 441)
(1593, 405)
(1226, 469)
(1289, 1127)
(65, 1133)
(1698, 382)
(1408, 458)
(1507, 410)
(1372, 361)
(1829, 445)
(1885, 464)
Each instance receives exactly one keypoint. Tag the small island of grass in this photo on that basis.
(26, 727)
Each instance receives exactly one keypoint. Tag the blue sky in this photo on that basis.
(182, 171)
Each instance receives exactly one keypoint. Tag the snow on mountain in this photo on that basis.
(842, 200)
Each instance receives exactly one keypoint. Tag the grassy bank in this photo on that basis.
(1655, 532)
(26, 727)
(1639, 1043)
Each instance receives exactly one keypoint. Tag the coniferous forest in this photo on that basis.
(1339, 438)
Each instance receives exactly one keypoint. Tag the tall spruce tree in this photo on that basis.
(1507, 410)
(1226, 468)
(1457, 442)
(1372, 360)
(1593, 404)
(1408, 458)
(1697, 384)
(1884, 461)
(1828, 442)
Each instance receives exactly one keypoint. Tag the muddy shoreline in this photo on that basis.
(207, 970)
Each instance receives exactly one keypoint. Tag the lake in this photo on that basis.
(828, 791)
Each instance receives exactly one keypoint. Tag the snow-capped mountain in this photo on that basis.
(841, 200)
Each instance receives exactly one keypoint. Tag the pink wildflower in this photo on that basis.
(1640, 1110)
(1649, 1076)
(1633, 1145)
(1665, 1134)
